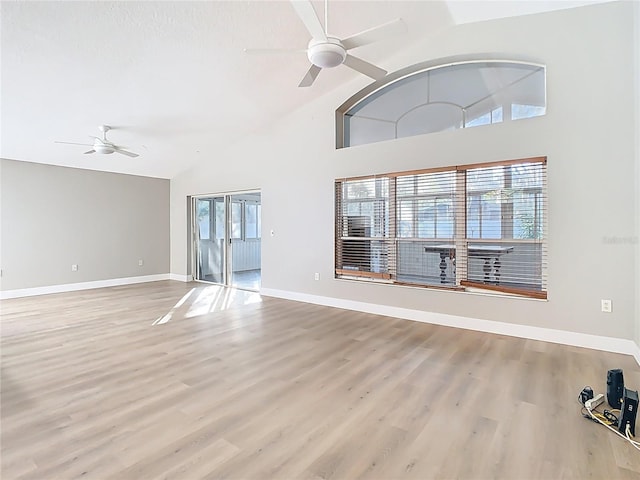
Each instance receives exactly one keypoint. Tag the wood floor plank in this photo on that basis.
(170, 380)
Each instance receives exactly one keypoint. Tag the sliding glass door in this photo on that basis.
(211, 233)
(227, 240)
(245, 241)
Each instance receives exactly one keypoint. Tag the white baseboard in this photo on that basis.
(180, 278)
(72, 287)
(596, 342)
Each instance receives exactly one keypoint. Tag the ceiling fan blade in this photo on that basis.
(90, 151)
(308, 15)
(73, 143)
(374, 34)
(276, 51)
(124, 152)
(310, 77)
(367, 68)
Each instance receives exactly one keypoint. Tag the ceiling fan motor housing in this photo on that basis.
(327, 54)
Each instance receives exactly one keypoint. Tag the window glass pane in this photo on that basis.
(444, 218)
(405, 186)
(490, 218)
(483, 113)
(435, 99)
(219, 226)
(236, 220)
(367, 198)
(382, 187)
(526, 111)
(480, 179)
(204, 219)
(435, 183)
(485, 199)
(524, 217)
(362, 130)
(496, 115)
(405, 219)
(259, 235)
(361, 189)
(430, 118)
(251, 214)
(352, 208)
(430, 214)
(528, 175)
(484, 218)
(512, 265)
(481, 120)
(426, 219)
(503, 202)
(473, 216)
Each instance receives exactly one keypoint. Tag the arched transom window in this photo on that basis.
(426, 99)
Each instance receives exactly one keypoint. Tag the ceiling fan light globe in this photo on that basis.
(104, 149)
(326, 55)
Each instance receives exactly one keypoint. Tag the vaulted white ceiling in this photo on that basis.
(172, 77)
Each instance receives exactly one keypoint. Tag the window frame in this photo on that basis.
(390, 79)
(460, 242)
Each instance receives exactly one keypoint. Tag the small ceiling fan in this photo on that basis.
(102, 145)
(327, 51)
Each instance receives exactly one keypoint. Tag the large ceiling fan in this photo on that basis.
(102, 145)
(327, 51)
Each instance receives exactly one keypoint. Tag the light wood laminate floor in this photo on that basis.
(189, 381)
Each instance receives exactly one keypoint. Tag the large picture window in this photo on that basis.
(465, 227)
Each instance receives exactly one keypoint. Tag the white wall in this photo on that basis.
(636, 42)
(53, 217)
(588, 136)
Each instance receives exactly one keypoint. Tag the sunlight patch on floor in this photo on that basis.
(214, 298)
(217, 298)
(167, 317)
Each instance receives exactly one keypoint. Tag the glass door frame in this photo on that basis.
(195, 236)
(227, 271)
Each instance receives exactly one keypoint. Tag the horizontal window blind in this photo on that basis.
(426, 211)
(505, 226)
(474, 226)
(363, 243)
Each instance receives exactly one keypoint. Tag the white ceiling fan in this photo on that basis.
(102, 145)
(327, 51)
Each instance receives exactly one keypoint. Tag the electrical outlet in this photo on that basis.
(606, 305)
(74, 267)
(140, 262)
(316, 276)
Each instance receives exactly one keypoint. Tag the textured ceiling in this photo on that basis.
(172, 77)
